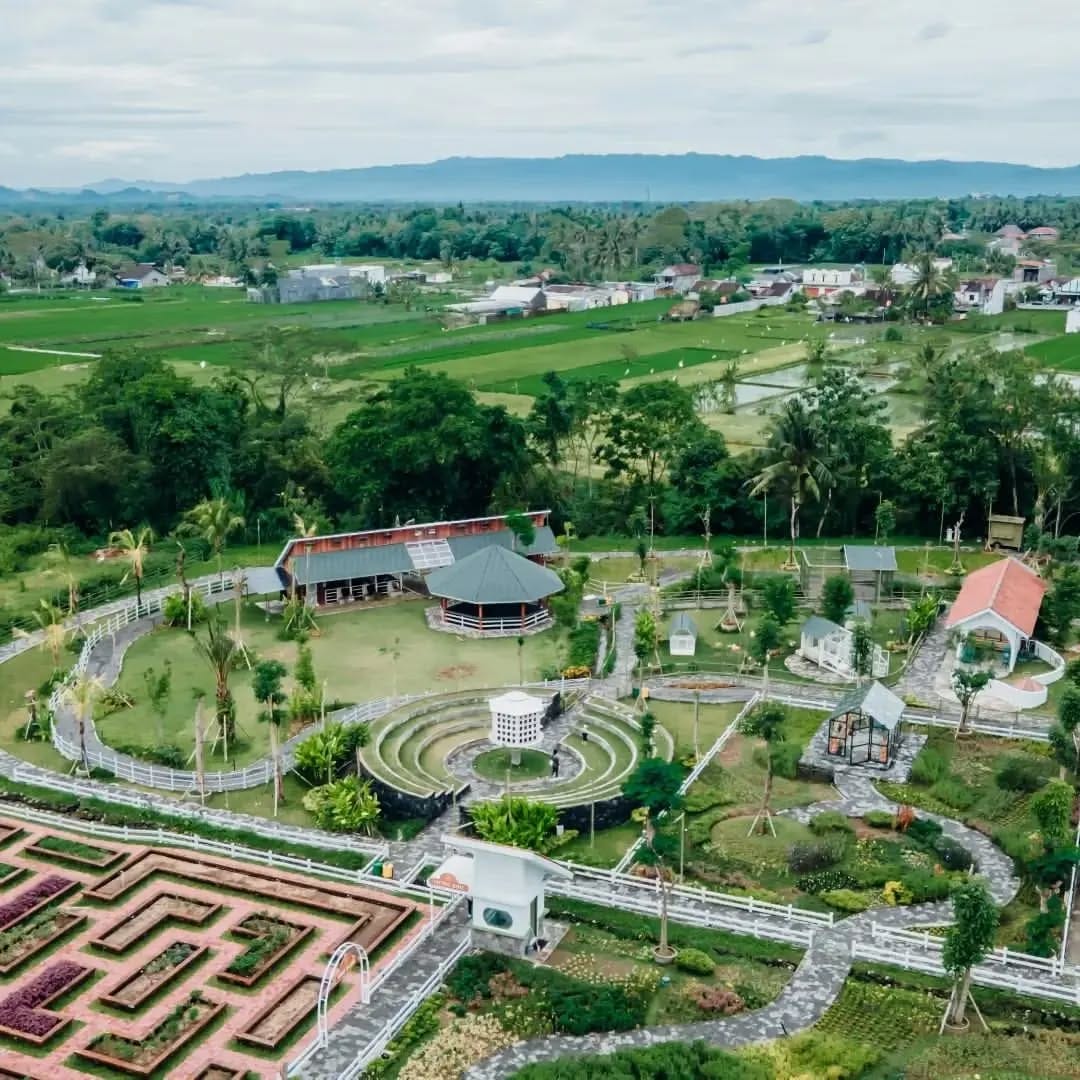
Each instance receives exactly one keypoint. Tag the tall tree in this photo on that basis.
(220, 652)
(135, 546)
(82, 694)
(765, 722)
(50, 625)
(967, 942)
(967, 685)
(266, 686)
(213, 520)
(793, 465)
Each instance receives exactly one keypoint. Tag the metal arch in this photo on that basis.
(329, 980)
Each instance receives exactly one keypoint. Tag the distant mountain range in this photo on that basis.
(595, 178)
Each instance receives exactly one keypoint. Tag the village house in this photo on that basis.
(81, 277)
(974, 293)
(678, 278)
(1034, 271)
(140, 276)
(825, 282)
(1046, 234)
(905, 273)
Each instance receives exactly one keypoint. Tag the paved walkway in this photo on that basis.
(820, 976)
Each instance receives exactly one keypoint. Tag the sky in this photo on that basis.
(173, 90)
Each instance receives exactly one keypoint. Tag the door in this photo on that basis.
(859, 741)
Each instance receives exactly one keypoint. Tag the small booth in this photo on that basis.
(493, 592)
(517, 722)
(864, 729)
(506, 891)
(682, 635)
(1005, 531)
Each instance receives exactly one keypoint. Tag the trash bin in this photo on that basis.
(376, 869)
(388, 870)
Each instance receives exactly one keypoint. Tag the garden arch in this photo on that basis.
(346, 956)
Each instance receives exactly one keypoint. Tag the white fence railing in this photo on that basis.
(496, 625)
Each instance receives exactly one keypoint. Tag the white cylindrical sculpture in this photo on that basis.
(516, 721)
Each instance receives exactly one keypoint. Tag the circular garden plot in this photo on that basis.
(121, 960)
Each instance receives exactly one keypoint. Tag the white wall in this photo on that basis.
(1072, 322)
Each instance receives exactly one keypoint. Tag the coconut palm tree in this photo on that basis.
(793, 464)
(729, 387)
(82, 695)
(61, 553)
(220, 651)
(54, 634)
(932, 288)
(212, 520)
(135, 544)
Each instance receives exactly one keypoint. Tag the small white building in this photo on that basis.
(525, 297)
(372, 273)
(682, 635)
(831, 279)
(679, 278)
(505, 886)
(832, 647)
(517, 720)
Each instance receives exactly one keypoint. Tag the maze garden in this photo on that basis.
(124, 961)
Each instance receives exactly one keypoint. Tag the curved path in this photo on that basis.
(820, 976)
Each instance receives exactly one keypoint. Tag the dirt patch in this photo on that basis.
(731, 754)
(455, 672)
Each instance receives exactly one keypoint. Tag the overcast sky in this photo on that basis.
(181, 89)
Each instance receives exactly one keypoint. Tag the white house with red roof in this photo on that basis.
(679, 277)
(999, 606)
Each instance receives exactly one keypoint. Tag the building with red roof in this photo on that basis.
(999, 605)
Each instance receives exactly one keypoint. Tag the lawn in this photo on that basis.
(678, 718)
(352, 655)
(26, 671)
(1061, 353)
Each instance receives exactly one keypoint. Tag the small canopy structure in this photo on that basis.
(496, 585)
(263, 581)
(682, 635)
(864, 729)
(871, 569)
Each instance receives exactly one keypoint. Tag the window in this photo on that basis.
(497, 918)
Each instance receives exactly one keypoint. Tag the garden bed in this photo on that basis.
(9, 832)
(274, 1024)
(218, 1072)
(22, 1012)
(143, 1057)
(271, 940)
(139, 989)
(27, 939)
(9, 873)
(157, 912)
(86, 856)
(40, 894)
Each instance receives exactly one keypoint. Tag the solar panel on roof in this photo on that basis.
(429, 554)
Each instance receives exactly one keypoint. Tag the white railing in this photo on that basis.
(1016, 697)
(610, 880)
(1054, 659)
(496, 625)
(908, 941)
(88, 789)
(925, 718)
(997, 977)
(1070, 900)
(648, 902)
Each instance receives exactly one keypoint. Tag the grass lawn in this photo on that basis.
(605, 848)
(1061, 353)
(495, 764)
(27, 671)
(678, 718)
(348, 656)
(618, 570)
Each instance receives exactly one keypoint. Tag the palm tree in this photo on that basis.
(62, 554)
(729, 387)
(54, 634)
(931, 288)
(266, 686)
(82, 694)
(213, 520)
(220, 651)
(135, 546)
(793, 464)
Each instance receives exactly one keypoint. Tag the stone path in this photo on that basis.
(820, 975)
(918, 679)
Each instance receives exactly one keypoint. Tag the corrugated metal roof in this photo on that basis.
(262, 581)
(543, 543)
(681, 623)
(876, 701)
(494, 575)
(358, 563)
(858, 557)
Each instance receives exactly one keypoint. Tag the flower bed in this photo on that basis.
(143, 1057)
(31, 936)
(272, 939)
(22, 1014)
(42, 892)
(150, 917)
(281, 1017)
(72, 851)
(137, 990)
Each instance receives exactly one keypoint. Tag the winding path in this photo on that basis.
(820, 976)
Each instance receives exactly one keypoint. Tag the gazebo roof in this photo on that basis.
(494, 575)
(876, 701)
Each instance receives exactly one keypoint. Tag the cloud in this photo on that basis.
(934, 30)
(177, 89)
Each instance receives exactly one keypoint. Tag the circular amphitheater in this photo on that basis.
(422, 751)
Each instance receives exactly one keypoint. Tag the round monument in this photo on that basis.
(516, 722)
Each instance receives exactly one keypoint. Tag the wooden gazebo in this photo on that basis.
(864, 729)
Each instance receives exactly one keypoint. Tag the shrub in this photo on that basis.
(952, 855)
(826, 881)
(717, 999)
(925, 886)
(874, 875)
(174, 611)
(954, 793)
(930, 766)
(785, 759)
(924, 831)
(880, 819)
(896, 894)
(847, 900)
(471, 975)
(804, 858)
(581, 1009)
(1017, 773)
(832, 821)
(695, 962)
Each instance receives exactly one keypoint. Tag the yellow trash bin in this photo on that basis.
(387, 869)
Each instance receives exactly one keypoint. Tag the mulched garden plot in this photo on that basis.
(143, 1057)
(152, 916)
(7, 834)
(216, 1072)
(83, 856)
(28, 938)
(279, 1019)
(138, 989)
(271, 940)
